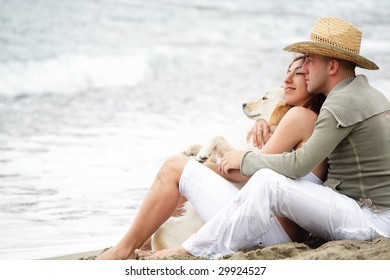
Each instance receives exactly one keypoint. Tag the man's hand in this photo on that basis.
(259, 134)
(231, 160)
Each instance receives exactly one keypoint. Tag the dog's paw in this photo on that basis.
(202, 157)
(192, 150)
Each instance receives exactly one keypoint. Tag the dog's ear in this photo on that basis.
(278, 113)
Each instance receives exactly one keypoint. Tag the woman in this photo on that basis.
(208, 191)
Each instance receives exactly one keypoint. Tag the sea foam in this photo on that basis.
(69, 74)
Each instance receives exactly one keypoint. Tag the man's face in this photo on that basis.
(316, 74)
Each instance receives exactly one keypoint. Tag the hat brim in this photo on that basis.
(331, 51)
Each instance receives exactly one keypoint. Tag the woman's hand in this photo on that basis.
(259, 134)
(231, 160)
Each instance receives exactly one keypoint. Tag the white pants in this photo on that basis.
(242, 219)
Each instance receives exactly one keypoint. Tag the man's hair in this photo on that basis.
(349, 65)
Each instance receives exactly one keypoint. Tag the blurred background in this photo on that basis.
(95, 94)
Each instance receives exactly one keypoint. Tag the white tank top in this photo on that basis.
(312, 178)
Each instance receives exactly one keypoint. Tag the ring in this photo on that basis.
(260, 130)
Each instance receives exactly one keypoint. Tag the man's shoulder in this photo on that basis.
(355, 102)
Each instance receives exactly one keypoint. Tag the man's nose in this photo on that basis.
(304, 69)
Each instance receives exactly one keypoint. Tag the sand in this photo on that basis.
(378, 249)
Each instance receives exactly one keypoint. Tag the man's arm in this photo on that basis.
(326, 136)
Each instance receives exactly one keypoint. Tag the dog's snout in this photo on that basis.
(243, 105)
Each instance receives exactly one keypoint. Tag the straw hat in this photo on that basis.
(337, 38)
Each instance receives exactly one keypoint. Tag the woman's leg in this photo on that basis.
(207, 191)
(159, 204)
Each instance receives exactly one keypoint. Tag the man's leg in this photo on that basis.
(249, 219)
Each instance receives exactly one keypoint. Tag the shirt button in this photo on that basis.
(367, 202)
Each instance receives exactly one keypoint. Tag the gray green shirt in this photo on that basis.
(353, 132)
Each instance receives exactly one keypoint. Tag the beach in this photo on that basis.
(377, 249)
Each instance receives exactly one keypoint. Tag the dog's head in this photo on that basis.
(263, 107)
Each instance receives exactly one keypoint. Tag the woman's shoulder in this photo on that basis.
(301, 113)
(294, 128)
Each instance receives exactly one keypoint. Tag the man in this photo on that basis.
(352, 131)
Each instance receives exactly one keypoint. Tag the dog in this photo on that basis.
(271, 107)
(263, 107)
(177, 228)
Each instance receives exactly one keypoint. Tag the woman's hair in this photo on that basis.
(296, 58)
(315, 100)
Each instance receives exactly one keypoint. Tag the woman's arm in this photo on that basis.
(234, 176)
(259, 134)
(295, 128)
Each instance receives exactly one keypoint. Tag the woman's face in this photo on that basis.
(295, 85)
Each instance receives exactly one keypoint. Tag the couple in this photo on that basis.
(284, 194)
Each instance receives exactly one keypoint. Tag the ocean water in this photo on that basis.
(95, 94)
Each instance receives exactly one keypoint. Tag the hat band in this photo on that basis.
(321, 39)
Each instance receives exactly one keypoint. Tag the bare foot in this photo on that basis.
(140, 253)
(177, 251)
(115, 253)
